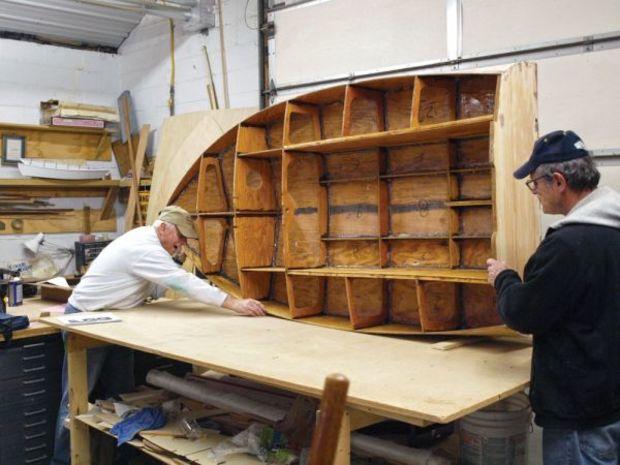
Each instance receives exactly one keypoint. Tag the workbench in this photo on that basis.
(400, 379)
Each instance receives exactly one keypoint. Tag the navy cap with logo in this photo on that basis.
(557, 146)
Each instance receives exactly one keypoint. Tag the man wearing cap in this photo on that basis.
(137, 265)
(569, 300)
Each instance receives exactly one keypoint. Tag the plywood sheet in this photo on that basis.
(514, 134)
(182, 141)
(403, 379)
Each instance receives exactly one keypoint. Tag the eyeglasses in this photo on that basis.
(532, 184)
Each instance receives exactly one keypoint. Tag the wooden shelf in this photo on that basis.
(414, 238)
(266, 269)
(58, 187)
(473, 169)
(471, 236)
(363, 238)
(61, 141)
(433, 132)
(60, 129)
(214, 214)
(343, 181)
(424, 274)
(414, 174)
(469, 203)
(258, 212)
(68, 184)
(269, 153)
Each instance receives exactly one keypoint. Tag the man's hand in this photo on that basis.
(495, 267)
(246, 307)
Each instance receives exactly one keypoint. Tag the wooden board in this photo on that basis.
(64, 222)
(409, 188)
(514, 134)
(59, 142)
(183, 139)
(417, 382)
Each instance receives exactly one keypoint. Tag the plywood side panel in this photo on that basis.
(275, 134)
(363, 111)
(419, 253)
(212, 234)
(351, 165)
(476, 96)
(254, 285)
(255, 240)
(254, 188)
(438, 306)
(514, 134)
(227, 163)
(353, 209)
(479, 306)
(474, 186)
(210, 195)
(471, 152)
(306, 295)
(187, 197)
(475, 221)
(336, 298)
(398, 108)
(437, 100)
(331, 120)
(353, 253)
(367, 302)
(414, 158)
(417, 206)
(251, 139)
(404, 302)
(278, 288)
(229, 262)
(304, 214)
(474, 253)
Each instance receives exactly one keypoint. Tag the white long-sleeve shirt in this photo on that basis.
(127, 271)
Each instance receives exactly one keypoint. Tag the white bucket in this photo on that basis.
(496, 435)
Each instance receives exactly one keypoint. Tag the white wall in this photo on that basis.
(32, 73)
(145, 65)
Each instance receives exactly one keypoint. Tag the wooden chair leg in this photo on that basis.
(326, 435)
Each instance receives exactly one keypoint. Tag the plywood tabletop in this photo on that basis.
(397, 378)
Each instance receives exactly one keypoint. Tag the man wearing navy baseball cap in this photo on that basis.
(569, 300)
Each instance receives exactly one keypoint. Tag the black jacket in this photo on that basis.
(570, 303)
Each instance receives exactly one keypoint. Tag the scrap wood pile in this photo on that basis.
(214, 419)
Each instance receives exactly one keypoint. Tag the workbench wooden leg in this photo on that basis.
(343, 450)
(78, 400)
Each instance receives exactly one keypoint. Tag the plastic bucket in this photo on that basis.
(496, 435)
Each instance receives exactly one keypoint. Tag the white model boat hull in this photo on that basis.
(54, 170)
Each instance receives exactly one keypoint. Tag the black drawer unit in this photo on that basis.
(31, 356)
(30, 390)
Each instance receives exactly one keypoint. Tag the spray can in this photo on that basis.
(16, 292)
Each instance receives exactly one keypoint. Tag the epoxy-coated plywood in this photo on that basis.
(385, 224)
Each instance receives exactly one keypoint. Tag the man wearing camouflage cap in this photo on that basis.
(137, 265)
